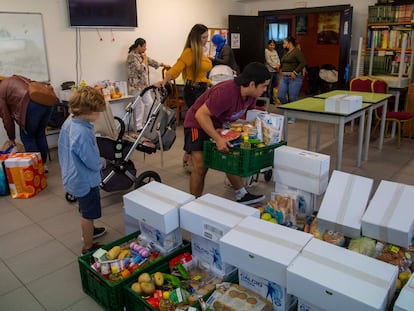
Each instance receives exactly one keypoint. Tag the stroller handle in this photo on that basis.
(161, 90)
(147, 89)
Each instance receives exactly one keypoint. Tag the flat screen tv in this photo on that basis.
(103, 13)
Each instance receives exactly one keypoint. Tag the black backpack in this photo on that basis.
(161, 130)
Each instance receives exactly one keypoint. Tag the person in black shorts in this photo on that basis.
(222, 104)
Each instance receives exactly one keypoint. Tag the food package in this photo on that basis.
(237, 298)
(281, 207)
(269, 127)
(25, 174)
(333, 237)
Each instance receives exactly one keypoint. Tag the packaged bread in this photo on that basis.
(238, 298)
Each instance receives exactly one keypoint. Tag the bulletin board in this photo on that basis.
(210, 48)
(22, 46)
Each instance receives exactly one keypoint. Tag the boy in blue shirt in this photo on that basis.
(80, 161)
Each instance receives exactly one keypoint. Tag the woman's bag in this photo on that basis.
(40, 92)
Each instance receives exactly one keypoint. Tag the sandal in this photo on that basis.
(94, 247)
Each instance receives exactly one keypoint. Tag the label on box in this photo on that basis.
(271, 291)
(208, 254)
(166, 241)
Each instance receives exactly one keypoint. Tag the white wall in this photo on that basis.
(163, 23)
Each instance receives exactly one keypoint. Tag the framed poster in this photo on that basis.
(329, 27)
(301, 25)
(211, 48)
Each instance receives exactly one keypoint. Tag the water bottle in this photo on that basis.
(166, 304)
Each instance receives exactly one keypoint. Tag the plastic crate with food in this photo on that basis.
(109, 294)
(239, 161)
(181, 277)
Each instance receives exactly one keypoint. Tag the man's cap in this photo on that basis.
(253, 72)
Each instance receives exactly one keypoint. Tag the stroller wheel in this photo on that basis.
(268, 175)
(70, 198)
(146, 178)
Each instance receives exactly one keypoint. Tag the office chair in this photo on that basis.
(174, 100)
(400, 117)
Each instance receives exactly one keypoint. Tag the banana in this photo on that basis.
(123, 254)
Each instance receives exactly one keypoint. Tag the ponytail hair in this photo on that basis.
(137, 42)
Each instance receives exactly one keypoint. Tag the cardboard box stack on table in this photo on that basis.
(262, 251)
(327, 277)
(154, 210)
(389, 216)
(343, 103)
(344, 203)
(208, 218)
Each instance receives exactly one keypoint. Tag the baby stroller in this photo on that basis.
(157, 133)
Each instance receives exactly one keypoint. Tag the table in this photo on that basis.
(377, 100)
(313, 109)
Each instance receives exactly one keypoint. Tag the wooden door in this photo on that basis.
(246, 36)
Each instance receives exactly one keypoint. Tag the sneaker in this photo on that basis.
(94, 247)
(249, 198)
(292, 120)
(45, 168)
(97, 232)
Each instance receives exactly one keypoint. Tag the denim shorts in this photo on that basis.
(90, 204)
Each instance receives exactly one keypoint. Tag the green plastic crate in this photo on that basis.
(240, 162)
(111, 296)
(135, 302)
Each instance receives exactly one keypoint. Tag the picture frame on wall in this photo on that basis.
(301, 25)
(329, 27)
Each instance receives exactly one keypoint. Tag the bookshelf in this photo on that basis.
(389, 43)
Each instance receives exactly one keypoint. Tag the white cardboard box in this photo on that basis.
(343, 103)
(157, 205)
(211, 216)
(306, 306)
(389, 216)
(344, 203)
(269, 290)
(334, 278)
(405, 300)
(208, 254)
(301, 169)
(263, 248)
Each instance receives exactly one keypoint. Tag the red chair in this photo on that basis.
(361, 84)
(400, 117)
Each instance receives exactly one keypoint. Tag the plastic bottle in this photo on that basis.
(166, 304)
(115, 275)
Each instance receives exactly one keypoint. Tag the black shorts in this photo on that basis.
(90, 204)
(194, 139)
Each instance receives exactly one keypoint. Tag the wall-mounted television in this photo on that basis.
(103, 13)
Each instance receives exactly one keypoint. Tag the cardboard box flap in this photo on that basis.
(263, 248)
(340, 279)
(211, 216)
(157, 205)
(389, 215)
(344, 203)
(283, 156)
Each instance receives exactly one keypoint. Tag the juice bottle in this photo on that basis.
(115, 275)
(166, 304)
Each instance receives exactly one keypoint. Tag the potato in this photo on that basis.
(113, 253)
(147, 288)
(144, 277)
(136, 287)
(158, 279)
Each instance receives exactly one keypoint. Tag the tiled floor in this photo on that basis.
(40, 237)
